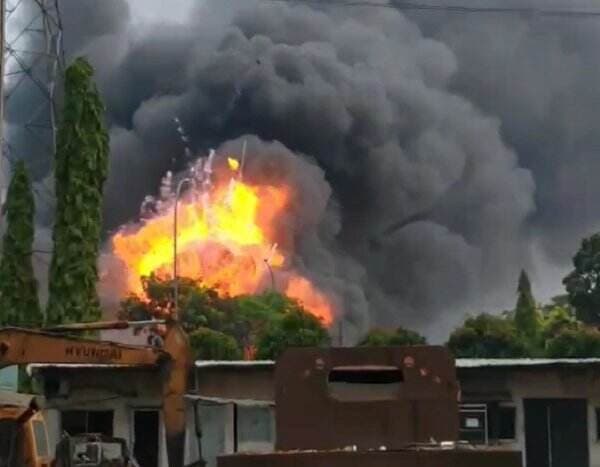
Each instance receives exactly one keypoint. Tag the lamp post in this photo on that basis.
(266, 260)
(180, 186)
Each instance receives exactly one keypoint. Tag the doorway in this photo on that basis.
(146, 429)
(556, 433)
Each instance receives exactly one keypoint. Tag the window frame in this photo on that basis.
(476, 409)
(36, 426)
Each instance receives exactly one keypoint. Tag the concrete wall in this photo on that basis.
(253, 382)
(216, 423)
(255, 427)
(125, 390)
(121, 391)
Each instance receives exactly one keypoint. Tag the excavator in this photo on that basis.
(51, 346)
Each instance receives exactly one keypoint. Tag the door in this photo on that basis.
(556, 433)
(146, 437)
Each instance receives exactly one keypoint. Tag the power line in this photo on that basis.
(411, 6)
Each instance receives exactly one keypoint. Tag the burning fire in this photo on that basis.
(225, 240)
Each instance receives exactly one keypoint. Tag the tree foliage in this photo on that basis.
(384, 338)
(526, 314)
(80, 170)
(19, 305)
(583, 282)
(295, 328)
(208, 344)
(252, 322)
(578, 342)
(487, 336)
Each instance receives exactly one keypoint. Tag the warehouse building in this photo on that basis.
(547, 409)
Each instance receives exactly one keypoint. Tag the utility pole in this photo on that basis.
(3, 182)
(175, 252)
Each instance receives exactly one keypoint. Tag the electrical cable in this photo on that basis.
(413, 6)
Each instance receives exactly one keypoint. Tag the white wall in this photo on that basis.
(147, 396)
(592, 430)
(216, 423)
(555, 384)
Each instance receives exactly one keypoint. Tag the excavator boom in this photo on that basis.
(24, 346)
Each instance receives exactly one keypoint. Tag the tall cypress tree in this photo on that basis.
(19, 304)
(526, 313)
(81, 167)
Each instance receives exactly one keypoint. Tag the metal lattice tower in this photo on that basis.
(33, 65)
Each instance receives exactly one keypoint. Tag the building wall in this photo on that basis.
(121, 391)
(253, 383)
(228, 428)
(516, 385)
(125, 390)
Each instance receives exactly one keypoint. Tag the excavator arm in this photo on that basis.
(24, 346)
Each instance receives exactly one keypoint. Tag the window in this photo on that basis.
(255, 428)
(8, 436)
(367, 383)
(473, 423)
(366, 375)
(77, 422)
(215, 423)
(41, 440)
(501, 424)
(487, 423)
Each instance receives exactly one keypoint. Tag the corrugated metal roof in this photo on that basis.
(233, 363)
(225, 400)
(523, 362)
(460, 363)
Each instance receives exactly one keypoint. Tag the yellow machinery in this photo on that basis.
(25, 425)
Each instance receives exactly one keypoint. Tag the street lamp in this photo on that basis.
(180, 186)
(266, 260)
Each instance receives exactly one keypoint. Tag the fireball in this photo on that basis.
(225, 240)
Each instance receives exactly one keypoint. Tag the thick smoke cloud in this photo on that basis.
(539, 76)
(418, 206)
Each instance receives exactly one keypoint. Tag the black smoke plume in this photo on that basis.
(441, 148)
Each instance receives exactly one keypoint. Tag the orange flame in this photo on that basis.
(225, 241)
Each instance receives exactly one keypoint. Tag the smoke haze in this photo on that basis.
(435, 154)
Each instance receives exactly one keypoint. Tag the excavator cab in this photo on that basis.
(93, 450)
(23, 434)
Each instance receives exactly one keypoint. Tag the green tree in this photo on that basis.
(487, 336)
(526, 315)
(208, 344)
(384, 338)
(578, 342)
(244, 318)
(558, 319)
(80, 170)
(296, 328)
(19, 305)
(583, 282)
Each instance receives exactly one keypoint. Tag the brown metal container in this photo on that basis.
(368, 397)
(369, 407)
